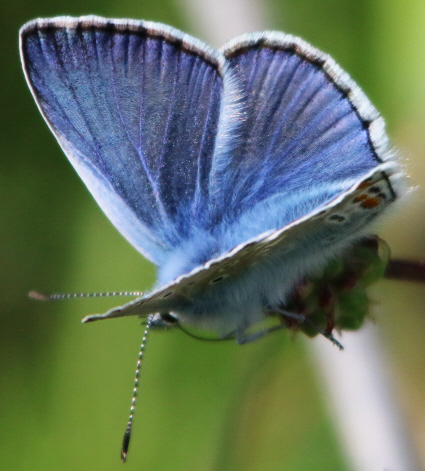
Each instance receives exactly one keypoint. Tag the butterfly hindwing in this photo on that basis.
(135, 106)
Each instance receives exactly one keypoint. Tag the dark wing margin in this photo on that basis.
(135, 105)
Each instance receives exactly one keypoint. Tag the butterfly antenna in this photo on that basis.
(55, 297)
(127, 434)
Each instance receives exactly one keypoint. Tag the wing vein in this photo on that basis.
(137, 149)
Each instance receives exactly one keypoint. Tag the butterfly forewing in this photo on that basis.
(302, 132)
(135, 106)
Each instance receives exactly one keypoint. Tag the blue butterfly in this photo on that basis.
(237, 172)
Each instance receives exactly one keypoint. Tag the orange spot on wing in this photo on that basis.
(371, 203)
(368, 202)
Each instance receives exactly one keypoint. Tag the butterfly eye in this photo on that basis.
(168, 318)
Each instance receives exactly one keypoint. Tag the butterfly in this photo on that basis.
(239, 173)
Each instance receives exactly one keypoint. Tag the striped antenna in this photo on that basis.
(127, 434)
(55, 297)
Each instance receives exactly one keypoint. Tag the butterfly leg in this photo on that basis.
(242, 338)
(304, 319)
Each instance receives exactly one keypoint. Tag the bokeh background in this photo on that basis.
(65, 388)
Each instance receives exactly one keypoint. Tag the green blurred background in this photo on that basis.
(65, 388)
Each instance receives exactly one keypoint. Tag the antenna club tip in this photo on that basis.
(125, 443)
(39, 296)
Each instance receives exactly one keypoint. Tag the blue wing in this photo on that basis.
(308, 133)
(135, 106)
